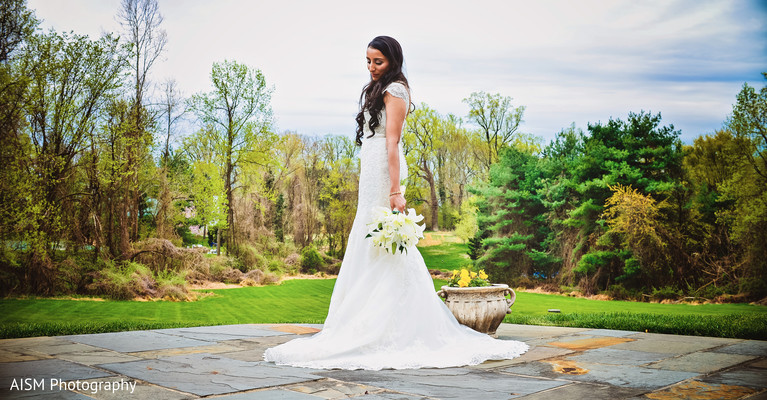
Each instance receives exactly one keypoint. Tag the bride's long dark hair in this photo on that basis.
(371, 98)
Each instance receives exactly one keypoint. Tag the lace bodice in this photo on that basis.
(374, 168)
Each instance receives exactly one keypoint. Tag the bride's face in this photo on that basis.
(378, 64)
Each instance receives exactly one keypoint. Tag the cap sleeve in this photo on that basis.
(397, 89)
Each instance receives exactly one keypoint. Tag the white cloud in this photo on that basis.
(565, 61)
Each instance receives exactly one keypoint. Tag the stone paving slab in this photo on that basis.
(700, 390)
(628, 376)
(212, 348)
(52, 349)
(533, 354)
(275, 394)
(509, 331)
(648, 344)
(758, 396)
(205, 374)
(46, 370)
(607, 355)
(20, 355)
(29, 349)
(141, 390)
(36, 342)
(608, 332)
(701, 362)
(333, 389)
(391, 396)
(749, 377)
(449, 383)
(748, 347)
(222, 332)
(133, 341)
(583, 342)
(253, 349)
(709, 341)
(94, 357)
(580, 391)
(227, 362)
(47, 394)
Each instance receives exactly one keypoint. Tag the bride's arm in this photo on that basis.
(396, 110)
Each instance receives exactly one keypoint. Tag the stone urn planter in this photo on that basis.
(479, 308)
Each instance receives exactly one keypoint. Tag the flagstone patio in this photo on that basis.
(225, 362)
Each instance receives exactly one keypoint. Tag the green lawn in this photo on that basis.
(447, 256)
(306, 301)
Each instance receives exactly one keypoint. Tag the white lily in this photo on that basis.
(394, 230)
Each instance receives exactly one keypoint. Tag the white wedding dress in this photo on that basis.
(384, 311)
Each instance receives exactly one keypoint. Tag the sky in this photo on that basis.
(567, 62)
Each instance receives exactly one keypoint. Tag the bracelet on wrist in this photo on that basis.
(394, 194)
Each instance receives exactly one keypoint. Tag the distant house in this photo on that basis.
(189, 212)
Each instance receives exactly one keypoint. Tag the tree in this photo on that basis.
(749, 121)
(338, 190)
(424, 130)
(635, 218)
(638, 152)
(238, 111)
(498, 121)
(746, 186)
(208, 196)
(70, 79)
(17, 23)
(462, 166)
(172, 109)
(512, 219)
(141, 21)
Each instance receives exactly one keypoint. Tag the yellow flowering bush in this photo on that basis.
(468, 278)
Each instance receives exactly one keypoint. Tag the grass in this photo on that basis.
(443, 251)
(307, 301)
(295, 301)
(744, 321)
(741, 326)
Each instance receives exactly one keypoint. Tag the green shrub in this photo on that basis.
(311, 260)
(709, 292)
(72, 276)
(618, 292)
(666, 293)
(216, 268)
(123, 281)
(276, 266)
(246, 255)
(171, 278)
(523, 282)
(229, 275)
(129, 280)
(754, 288)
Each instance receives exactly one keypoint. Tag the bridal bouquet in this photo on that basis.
(394, 230)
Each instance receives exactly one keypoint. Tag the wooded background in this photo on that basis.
(100, 183)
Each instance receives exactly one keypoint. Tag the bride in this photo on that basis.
(384, 312)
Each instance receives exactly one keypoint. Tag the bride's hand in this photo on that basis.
(397, 202)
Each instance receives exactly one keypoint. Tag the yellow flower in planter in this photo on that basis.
(467, 278)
